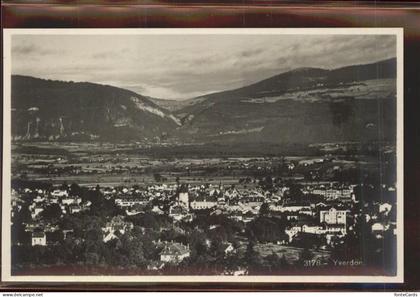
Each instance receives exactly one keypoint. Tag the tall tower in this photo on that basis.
(183, 197)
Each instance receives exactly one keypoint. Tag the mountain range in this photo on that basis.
(305, 105)
(46, 109)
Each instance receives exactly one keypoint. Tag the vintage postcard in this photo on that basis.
(203, 155)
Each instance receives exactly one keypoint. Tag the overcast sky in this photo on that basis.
(185, 66)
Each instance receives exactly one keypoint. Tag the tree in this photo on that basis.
(92, 258)
(136, 254)
(271, 261)
(75, 190)
(197, 242)
(264, 209)
(232, 262)
(52, 212)
(101, 207)
(217, 249)
(295, 192)
(56, 236)
(267, 183)
(308, 240)
(131, 251)
(267, 229)
(251, 258)
(276, 263)
(304, 256)
(22, 216)
(19, 235)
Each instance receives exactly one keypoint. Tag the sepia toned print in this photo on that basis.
(266, 155)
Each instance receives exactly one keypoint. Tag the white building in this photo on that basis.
(39, 238)
(71, 200)
(59, 193)
(203, 203)
(339, 229)
(289, 208)
(385, 208)
(333, 216)
(128, 201)
(332, 193)
(36, 211)
(116, 224)
(313, 229)
(183, 199)
(75, 209)
(293, 231)
(174, 252)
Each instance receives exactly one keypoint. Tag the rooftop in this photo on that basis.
(174, 249)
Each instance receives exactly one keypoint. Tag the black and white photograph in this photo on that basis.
(220, 155)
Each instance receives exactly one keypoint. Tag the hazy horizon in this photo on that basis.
(185, 66)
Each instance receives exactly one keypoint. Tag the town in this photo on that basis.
(260, 224)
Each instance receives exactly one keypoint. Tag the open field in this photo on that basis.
(115, 164)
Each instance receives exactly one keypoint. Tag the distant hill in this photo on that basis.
(302, 106)
(305, 105)
(171, 105)
(46, 109)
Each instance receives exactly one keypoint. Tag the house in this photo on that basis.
(39, 199)
(323, 229)
(157, 210)
(109, 236)
(174, 252)
(39, 238)
(71, 200)
(177, 212)
(203, 203)
(333, 216)
(313, 229)
(333, 192)
(116, 224)
(248, 217)
(15, 199)
(289, 207)
(215, 193)
(66, 232)
(339, 229)
(384, 208)
(228, 248)
(133, 212)
(221, 200)
(75, 209)
(378, 229)
(236, 215)
(85, 205)
(53, 199)
(306, 211)
(240, 272)
(59, 193)
(129, 201)
(253, 202)
(36, 211)
(293, 231)
(155, 265)
(231, 194)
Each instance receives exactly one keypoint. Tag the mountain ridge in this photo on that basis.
(308, 105)
(52, 109)
(304, 105)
